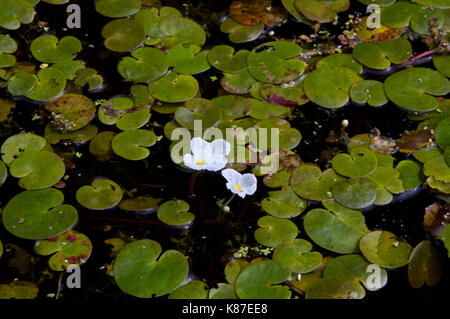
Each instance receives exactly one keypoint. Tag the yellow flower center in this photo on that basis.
(239, 187)
(200, 162)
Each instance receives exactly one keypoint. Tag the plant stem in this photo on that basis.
(229, 200)
(59, 284)
(192, 182)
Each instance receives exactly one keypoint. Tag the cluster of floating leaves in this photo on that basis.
(161, 51)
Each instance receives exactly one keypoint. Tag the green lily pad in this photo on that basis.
(150, 18)
(335, 288)
(423, 155)
(356, 193)
(194, 289)
(380, 55)
(224, 58)
(239, 33)
(47, 48)
(140, 95)
(123, 35)
(7, 45)
(442, 133)
(69, 248)
(368, 91)
(322, 11)
(233, 106)
(187, 59)
(237, 83)
(413, 88)
(338, 230)
(139, 272)
(71, 112)
(143, 203)
(3, 173)
(133, 120)
(309, 182)
(361, 162)
(223, 291)
(69, 68)
(328, 86)
(291, 8)
(51, 84)
(279, 179)
(80, 136)
(434, 3)
(288, 137)
(101, 194)
(174, 88)
(38, 214)
(264, 110)
(198, 109)
(444, 235)
(272, 62)
(234, 268)
(132, 144)
(117, 8)
(260, 281)
(17, 144)
(19, 290)
(426, 265)
(90, 77)
(178, 30)
(100, 145)
(145, 65)
(175, 213)
(354, 268)
(385, 249)
(290, 96)
(283, 203)
(14, 13)
(21, 82)
(439, 185)
(410, 174)
(438, 168)
(344, 60)
(404, 13)
(297, 256)
(381, 3)
(113, 109)
(37, 169)
(274, 231)
(442, 64)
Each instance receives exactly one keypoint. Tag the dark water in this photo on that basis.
(210, 241)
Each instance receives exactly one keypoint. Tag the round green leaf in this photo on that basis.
(385, 249)
(123, 35)
(100, 145)
(274, 231)
(14, 13)
(143, 203)
(145, 65)
(117, 8)
(322, 11)
(139, 272)
(410, 174)
(356, 193)
(344, 60)
(283, 203)
(19, 290)
(368, 91)
(187, 59)
(20, 143)
(426, 265)
(335, 288)
(174, 88)
(38, 214)
(102, 194)
(21, 82)
(51, 84)
(198, 109)
(442, 133)
(239, 33)
(297, 256)
(442, 64)
(224, 58)
(444, 235)
(47, 48)
(194, 289)
(175, 213)
(76, 137)
(178, 30)
(361, 162)
(132, 144)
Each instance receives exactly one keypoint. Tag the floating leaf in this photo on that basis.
(442, 64)
(240, 33)
(344, 60)
(224, 58)
(144, 203)
(297, 256)
(274, 231)
(123, 35)
(134, 120)
(132, 144)
(385, 249)
(117, 8)
(71, 112)
(259, 281)
(20, 143)
(253, 12)
(187, 59)
(272, 62)
(69, 68)
(410, 174)
(7, 45)
(21, 82)
(90, 77)
(113, 109)
(100, 145)
(47, 48)
(51, 83)
(444, 235)
(38, 214)
(322, 11)
(361, 162)
(442, 133)
(37, 169)
(289, 96)
(223, 291)
(194, 289)
(290, 7)
(309, 182)
(145, 65)
(198, 109)
(356, 193)
(355, 268)
(14, 13)
(19, 289)
(101, 194)
(426, 265)
(338, 231)
(139, 272)
(329, 86)
(178, 30)
(69, 248)
(76, 137)
(438, 168)
(368, 91)
(175, 213)
(150, 18)
(174, 88)
(335, 288)
(283, 203)
(237, 83)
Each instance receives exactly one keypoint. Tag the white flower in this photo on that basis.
(241, 184)
(209, 156)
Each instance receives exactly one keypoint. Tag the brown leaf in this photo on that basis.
(254, 12)
(414, 140)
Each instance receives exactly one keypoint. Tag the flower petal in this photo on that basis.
(198, 147)
(232, 176)
(220, 147)
(249, 183)
(216, 164)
